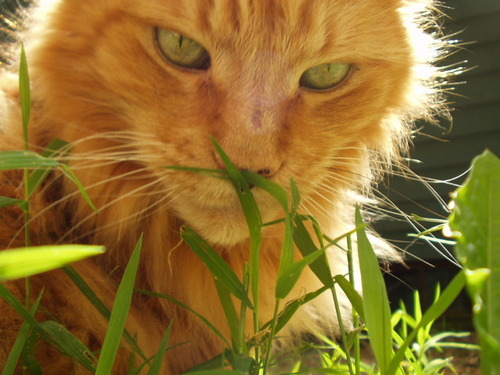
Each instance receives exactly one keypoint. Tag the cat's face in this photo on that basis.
(290, 89)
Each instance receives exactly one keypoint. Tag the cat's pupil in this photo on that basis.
(325, 76)
(182, 51)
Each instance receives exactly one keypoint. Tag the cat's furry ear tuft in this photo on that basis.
(430, 45)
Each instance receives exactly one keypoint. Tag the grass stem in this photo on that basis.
(269, 347)
(355, 316)
(342, 330)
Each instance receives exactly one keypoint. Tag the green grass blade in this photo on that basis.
(8, 297)
(253, 218)
(436, 310)
(290, 276)
(376, 301)
(215, 173)
(10, 160)
(99, 305)
(218, 372)
(215, 363)
(247, 200)
(476, 222)
(119, 314)
(15, 353)
(295, 196)
(87, 291)
(291, 308)
(352, 294)
(17, 263)
(25, 94)
(216, 264)
(287, 255)
(37, 177)
(162, 350)
(306, 246)
(231, 315)
(275, 190)
(184, 306)
(72, 176)
(6, 202)
(69, 344)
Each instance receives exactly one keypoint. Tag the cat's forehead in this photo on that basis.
(306, 26)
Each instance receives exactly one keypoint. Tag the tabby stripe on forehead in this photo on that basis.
(234, 11)
(205, 9)
(308, 15)
(231, 9)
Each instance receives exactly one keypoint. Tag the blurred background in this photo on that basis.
(445, 152)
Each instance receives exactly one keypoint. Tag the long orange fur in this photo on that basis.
(100, 83)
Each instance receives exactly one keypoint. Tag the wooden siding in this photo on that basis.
(476, 119)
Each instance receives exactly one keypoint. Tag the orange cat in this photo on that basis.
(322, 91)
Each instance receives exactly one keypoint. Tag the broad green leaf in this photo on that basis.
(475, 220)
(376, 301)
(119, 314)
(17, 263)
(216, 264)
(476, 216)
(10, 160)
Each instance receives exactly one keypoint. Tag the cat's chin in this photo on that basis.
(216, 227)
(224, 227)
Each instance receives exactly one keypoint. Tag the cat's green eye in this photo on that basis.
(326, 76)
(181, 50)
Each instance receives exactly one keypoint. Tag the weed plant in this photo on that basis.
(400, 341)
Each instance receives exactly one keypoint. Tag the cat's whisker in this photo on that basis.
(108, 204)
(68, 197)
(158, 205)
(418, 228)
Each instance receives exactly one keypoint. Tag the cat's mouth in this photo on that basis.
(222, 221)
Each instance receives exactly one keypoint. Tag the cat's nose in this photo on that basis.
(265, 171)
